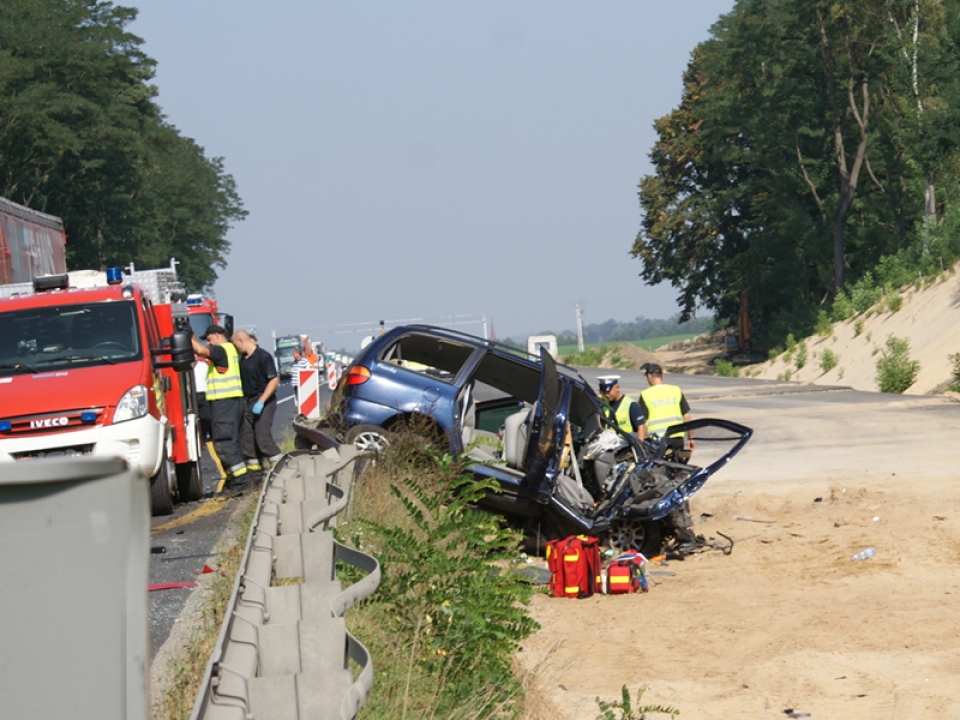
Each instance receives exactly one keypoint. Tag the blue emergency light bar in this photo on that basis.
(114, 276)
(194, 299)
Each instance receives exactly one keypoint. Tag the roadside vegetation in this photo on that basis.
(828, 360)
(649, 344)
(288, 441)
(624, 709)
(451, 610)
(895, 370)
(954, 385)
(722, 368)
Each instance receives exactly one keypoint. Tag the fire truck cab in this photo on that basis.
(100, 363)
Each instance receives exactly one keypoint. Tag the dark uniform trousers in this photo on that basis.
(257, 436)
(226, 418)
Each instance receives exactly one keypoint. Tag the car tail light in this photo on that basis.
(357, 375)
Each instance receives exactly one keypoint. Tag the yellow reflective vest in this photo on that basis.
(223, 385)
(663, 409)
(622, 416)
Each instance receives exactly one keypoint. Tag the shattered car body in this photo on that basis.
(535, 426)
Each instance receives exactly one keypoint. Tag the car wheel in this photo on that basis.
(189, 484)
(368, 438)
(627, 534)
(161, 494)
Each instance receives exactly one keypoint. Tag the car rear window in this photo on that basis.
(423, 353)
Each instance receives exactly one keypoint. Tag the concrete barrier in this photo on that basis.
(284, 652)
(74, 570)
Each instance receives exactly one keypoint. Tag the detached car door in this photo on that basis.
(545, 445)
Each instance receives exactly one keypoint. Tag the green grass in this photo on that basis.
(649, 344)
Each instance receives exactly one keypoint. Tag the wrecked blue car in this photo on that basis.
(535, 426)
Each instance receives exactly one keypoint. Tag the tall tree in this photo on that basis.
(81, 137)
(792, 160)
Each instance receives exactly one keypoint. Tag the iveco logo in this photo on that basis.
(48, 422)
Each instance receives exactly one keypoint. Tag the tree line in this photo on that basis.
(814, 150)
(640, 328)
(81, 137)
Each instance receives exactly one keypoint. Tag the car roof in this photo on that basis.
(474, 340)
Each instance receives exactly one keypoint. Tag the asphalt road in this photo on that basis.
(727, 394)
(184, 542)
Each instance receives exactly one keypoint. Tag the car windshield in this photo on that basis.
(78, 335)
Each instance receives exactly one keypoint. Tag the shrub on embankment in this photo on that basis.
(451, 609)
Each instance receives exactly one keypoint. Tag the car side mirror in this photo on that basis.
(180, 349)
(182, 356)
(226, 321)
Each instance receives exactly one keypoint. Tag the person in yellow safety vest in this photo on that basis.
(663, 405)
(621, 409)
(225, 395)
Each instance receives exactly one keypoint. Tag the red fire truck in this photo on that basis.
(100, 363)
(203, 313)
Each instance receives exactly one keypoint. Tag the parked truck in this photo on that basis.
(284, 345)
(100, 363)
(31, 243)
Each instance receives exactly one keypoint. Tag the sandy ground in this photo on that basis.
(788, 622)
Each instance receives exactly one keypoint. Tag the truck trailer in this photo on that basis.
(31, 243)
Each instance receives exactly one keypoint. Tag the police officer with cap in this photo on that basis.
(225, 395)
(663, 405)
(623, 411)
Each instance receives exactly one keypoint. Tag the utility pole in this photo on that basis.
(579, 328)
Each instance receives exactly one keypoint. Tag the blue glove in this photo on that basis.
(258, 407)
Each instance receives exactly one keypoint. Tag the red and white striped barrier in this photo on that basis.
(309, 394)
(331, 375)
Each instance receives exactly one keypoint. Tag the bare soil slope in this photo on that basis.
(690, 356)
(929, 320)
(628, 356)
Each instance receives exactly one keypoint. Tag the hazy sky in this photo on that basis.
(428, 159)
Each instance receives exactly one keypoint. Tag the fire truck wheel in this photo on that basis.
(161, 496)
(189, 484)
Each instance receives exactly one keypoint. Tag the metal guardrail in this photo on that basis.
(283, 651)
(73, 589)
